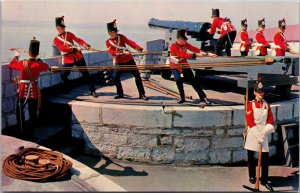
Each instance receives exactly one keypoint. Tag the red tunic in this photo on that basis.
(35, 68)
(224, 26)
(245, 41)
(120, 45)
(262, 42)
(179, 51)
(281, 44)
(66, 49)
(250, 116)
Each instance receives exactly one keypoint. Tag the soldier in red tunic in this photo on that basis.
(72, 54)
(29, 93)
(179, 55)
(260, 123)
(116, 46)
(262, 43)
(227, 30)
(281, 46)
(245, 42)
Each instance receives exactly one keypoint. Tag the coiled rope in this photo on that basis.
(35, 164)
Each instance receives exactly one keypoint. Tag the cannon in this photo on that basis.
(196, 30)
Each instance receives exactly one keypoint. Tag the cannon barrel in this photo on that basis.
(195, 29)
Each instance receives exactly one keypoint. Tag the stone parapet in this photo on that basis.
(176, 135)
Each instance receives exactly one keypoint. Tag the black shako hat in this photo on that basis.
(281, 24)
(182, 33)
(261, 23)
(258, 86)
(112, 26)
(34, 47)
(244, 23)
(59, 21)
(215, 13)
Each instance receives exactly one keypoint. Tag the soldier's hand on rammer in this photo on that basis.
(212, 55)
(145, 52)
(78, 48)
(92, 49)
(126, 52)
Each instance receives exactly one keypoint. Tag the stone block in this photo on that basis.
(163, 154)
(197, 132)
(196, 144)
(95, 58)
(296, 111)
(235, 132)
(6, 73)
(179, 143)
(92, 137)
(106, 149)
(219, 131)
(86, 112)
(55, 79)
(77, 131)
(238, 115)
(191, 157)
(164, 140)
(3, 122)
(239, 155)
(11, 120)
(272, 150)
(114, 139)
(219, 157)
(285, 111)
(195, 117)
(274, 108)
(135, 116)
(8, 105)
(141, 154)
(142, 140)
(10, 90)
(54, 61)
(44, 81)
(232, 142)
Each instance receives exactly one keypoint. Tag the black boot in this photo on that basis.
(118, 96)
(143, 97)
(181, 92)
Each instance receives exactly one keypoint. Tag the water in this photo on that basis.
(16, 34)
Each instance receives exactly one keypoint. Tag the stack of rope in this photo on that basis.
(35, 164)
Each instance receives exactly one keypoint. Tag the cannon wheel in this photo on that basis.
(166, 74)
(284, 91)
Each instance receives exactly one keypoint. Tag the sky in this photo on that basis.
(141, 11)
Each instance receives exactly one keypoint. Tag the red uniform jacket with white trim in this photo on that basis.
(260, 39)
(112, 50)
(35, 67)
(280, 42)
(66, 49)
(179, 52)
(224, 26)
(245, 41)
(250, 116)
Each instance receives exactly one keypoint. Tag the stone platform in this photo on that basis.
(160, 130)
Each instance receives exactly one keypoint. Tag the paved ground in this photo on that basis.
(141, 177)
(109, 175)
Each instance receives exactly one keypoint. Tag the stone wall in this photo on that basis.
(176, 135)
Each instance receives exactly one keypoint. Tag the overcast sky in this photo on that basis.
(141, 11)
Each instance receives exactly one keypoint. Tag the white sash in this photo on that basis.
(65, 41)
(118, 47)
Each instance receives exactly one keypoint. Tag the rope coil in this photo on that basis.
(35, 164)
